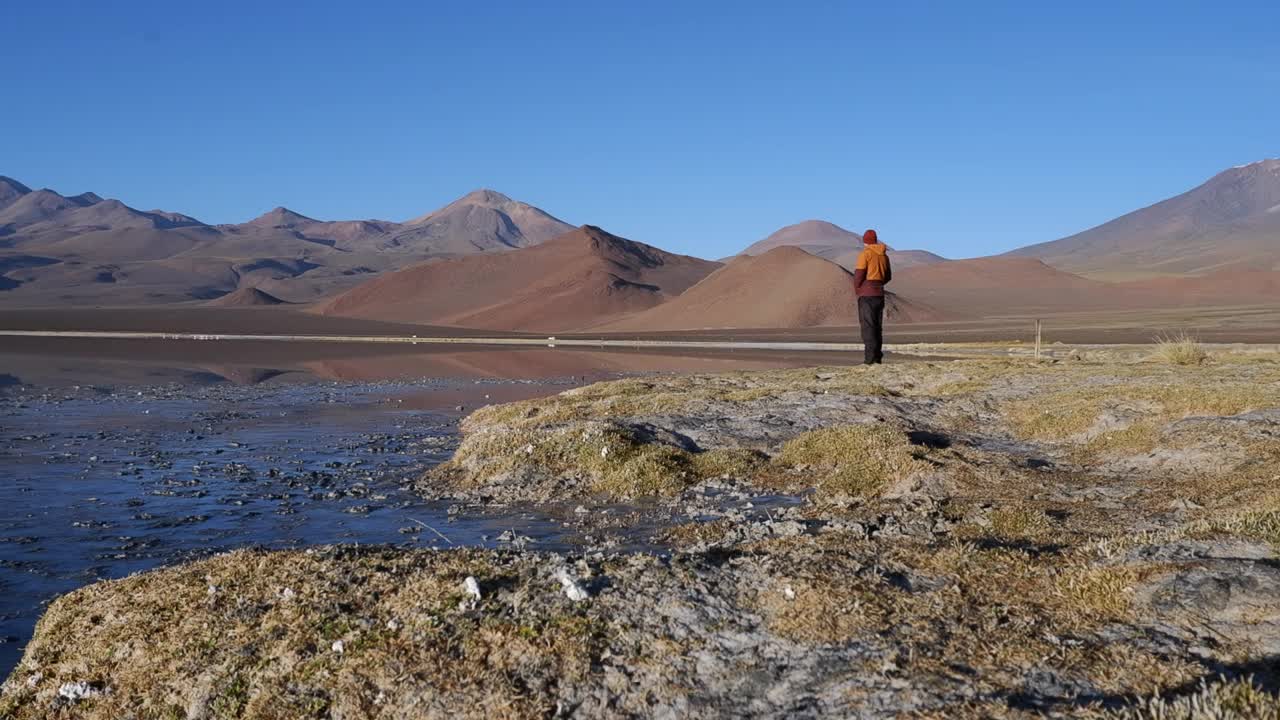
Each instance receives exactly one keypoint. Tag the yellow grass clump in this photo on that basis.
(858, 460)
(1149, 405)
(1222, 700)
(1180, 348)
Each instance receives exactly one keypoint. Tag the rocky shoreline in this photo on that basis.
(951, 539)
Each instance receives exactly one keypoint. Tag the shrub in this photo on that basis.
(1180, 348)
(858, 460)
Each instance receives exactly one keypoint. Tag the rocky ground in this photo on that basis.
(951, 539)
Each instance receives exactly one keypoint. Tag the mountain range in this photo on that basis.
(489, 262)
(84, 250)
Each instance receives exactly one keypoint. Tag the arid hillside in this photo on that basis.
(1007, 285)
(581, 279)
(998, 286)
(247, 297)
(785, 287)
(1232, 221)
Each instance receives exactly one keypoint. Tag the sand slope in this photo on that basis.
(785, 287)
(1011, 285)
(1001, 286)
(1230, 286)
(582, 278)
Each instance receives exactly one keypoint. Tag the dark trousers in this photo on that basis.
(871, 318)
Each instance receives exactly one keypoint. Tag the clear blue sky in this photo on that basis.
(964, 128)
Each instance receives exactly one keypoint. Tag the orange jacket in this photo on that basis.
(872, 271)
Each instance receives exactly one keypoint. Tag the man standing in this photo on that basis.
(870, 275)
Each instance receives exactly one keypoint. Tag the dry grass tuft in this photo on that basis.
(1179, 348)
(576, 433)
(819, 611)
(1223, 700)
(252, 633)
(616, 463)
(1262, 525)
(1104, 593)
(737, 463)
(857, 460)
(1137, 409)
(1016, 523)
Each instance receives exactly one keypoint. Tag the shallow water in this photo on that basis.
(112, 463)
(99, 483)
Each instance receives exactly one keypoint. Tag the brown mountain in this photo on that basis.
(40, 209)
(582, 278)
(1232, 221)
(281, 217)
(11, 190)
(82, 249)
(817, 237)
(784, 287)
(480, 221)
(901, 259)
(830, 241)
(246, 297)
(347, 235)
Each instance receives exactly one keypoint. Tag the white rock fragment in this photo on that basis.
(572, 589)
(604, 451)
(788, 593)
(338, 646)
(288, 593)
(472, 587)
(528, 449)
(77, 691)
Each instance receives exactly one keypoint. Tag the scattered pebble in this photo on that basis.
(572, 589)
(77, 691)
